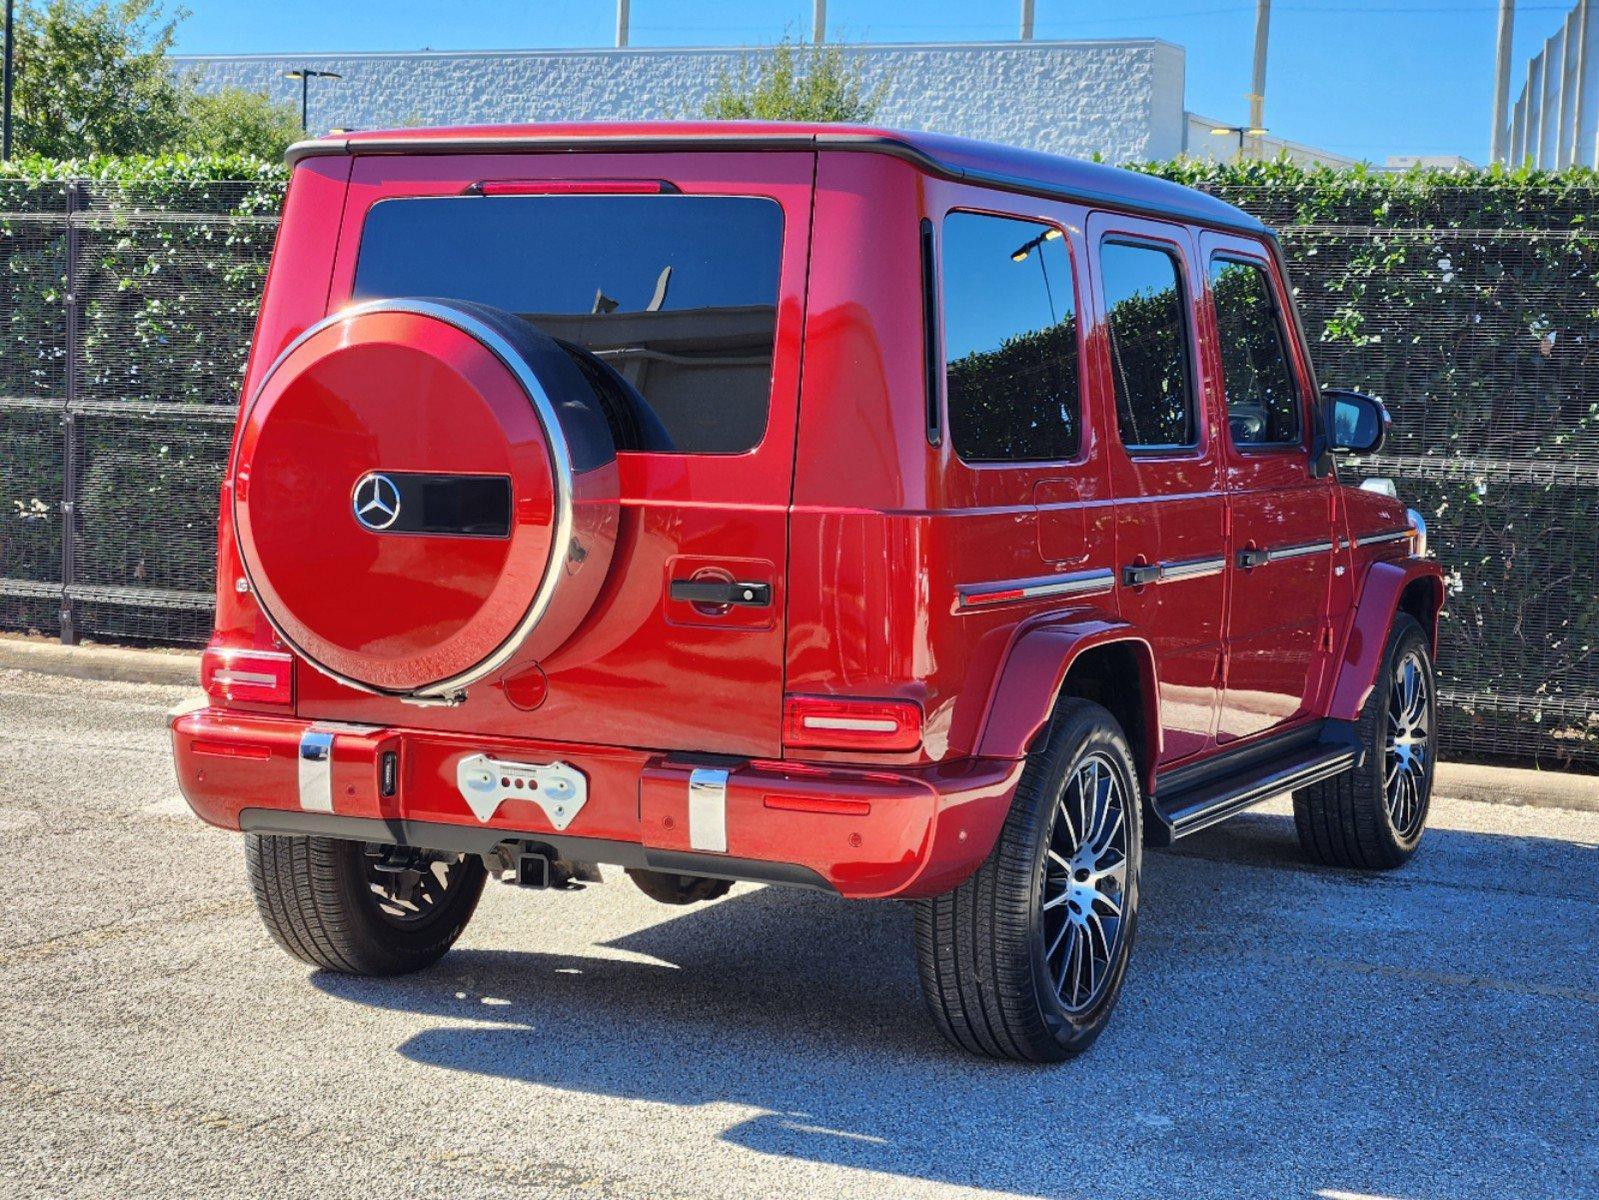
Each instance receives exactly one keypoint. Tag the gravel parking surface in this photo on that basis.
(1286, 1031)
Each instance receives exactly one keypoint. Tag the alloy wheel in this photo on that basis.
(1409, 744)
(1084, 883)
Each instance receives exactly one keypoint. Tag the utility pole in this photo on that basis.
(1257, 86)
(818, 21)
(5, 102)
(621, 23)
(1027, 24)
(1500, 152)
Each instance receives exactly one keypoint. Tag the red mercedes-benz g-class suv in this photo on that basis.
(884, 513)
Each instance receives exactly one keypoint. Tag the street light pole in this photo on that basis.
(305, 75)
(1257, 87)
(1501, 152)
(5, 100)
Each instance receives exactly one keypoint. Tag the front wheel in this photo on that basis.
(361, 908)
(1025, 959)
(1373, 816)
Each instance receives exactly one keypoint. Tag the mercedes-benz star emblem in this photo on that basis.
(376, 501)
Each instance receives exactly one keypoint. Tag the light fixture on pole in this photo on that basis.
(305, 75)
(1241, 132)
(1025, 251)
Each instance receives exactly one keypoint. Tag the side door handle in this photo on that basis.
(1140, 574)
(1253, 557)
(717, 591)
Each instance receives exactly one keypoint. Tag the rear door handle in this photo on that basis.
(1252, 558)
(1140, 574)
(717, 591)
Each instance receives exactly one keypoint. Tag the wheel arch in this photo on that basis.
(1105, 660)
(1411, 585)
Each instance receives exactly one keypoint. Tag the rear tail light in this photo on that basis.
(840, 723)
(247, 676)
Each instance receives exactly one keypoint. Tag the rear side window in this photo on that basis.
(1262, 401)
(1148, 345)
(1010, 340)
(677, 294)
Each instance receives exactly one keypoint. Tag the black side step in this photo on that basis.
(1195, 798)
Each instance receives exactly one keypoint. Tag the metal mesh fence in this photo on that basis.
(126, 312)
(125, 319)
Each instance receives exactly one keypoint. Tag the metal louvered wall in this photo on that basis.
(1474, 311)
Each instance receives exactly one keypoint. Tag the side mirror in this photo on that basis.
(1356, 423)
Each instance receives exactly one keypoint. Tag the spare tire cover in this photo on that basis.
(423, 490)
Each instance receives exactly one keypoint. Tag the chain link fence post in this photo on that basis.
(76, 189)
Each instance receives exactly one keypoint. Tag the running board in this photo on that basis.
(1188, 803)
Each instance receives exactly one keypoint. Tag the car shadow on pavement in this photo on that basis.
(1286, 1031)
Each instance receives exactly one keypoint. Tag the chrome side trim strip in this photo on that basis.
(707, 810)
(1302, 550)
(316, 770)
(1392, 535)
(1191, 568)
(1077, 583)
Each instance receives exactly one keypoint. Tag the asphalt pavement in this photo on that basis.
(1286, 1031)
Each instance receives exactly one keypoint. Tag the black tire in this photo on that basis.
(1347, 821)
(315, 897)
(986, 971)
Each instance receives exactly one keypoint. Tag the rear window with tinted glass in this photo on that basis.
(678, 294)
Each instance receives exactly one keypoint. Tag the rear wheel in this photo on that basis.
(1025, 959)
(1374, 815)
(362, 909)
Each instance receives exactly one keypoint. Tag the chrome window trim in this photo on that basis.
(1012, 591)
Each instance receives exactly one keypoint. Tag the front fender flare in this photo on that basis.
(1369, 624)
(1035, 667)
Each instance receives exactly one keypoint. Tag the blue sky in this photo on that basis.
(1362, 77)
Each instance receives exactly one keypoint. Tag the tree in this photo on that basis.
(92, 78)
(795, 82)
(234, 121)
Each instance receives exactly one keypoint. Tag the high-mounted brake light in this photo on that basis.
(842, 723)
(247, 676)
(572, 187)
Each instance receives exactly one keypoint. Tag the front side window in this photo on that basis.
(676, 294)
(1010, 340)
(1148, 346)
(1262, 401)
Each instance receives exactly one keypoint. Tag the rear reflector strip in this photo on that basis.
(818, 804)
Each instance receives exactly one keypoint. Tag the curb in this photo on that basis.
(1517, 786)
(111, 664)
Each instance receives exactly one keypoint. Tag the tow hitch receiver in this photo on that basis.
(535, 865)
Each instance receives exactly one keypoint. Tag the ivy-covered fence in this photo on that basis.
(1470, 302)
(126, 304)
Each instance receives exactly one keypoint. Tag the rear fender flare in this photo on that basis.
(1373, 617)
(1035, 668)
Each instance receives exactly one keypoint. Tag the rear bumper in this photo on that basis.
(859, 832)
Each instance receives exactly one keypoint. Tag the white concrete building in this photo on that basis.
(1122, 100)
